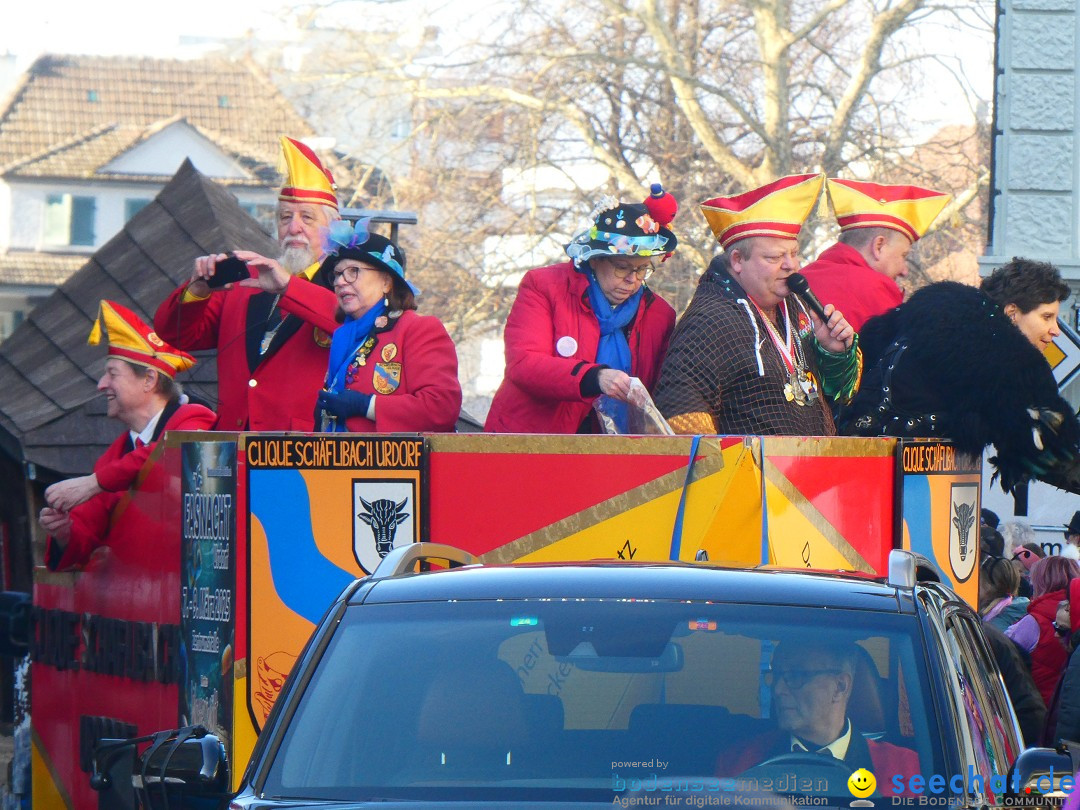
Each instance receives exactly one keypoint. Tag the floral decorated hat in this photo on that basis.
(623, 229)
(343, 240)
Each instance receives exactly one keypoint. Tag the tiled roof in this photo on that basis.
(87, 155)
(44, 269)
(50, 411)
(65, 98)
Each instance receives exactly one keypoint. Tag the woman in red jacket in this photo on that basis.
(1034, 633)
(586, 326)
(391, 370)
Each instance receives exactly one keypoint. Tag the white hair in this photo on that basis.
(1016, 534)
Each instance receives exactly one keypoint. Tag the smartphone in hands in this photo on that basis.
(228, 271)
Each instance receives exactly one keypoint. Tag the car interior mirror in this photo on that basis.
(584, 657)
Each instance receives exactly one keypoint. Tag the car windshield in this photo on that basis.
(603, 700)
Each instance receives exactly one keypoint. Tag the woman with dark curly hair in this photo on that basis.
(966, 364)
(1030, 295)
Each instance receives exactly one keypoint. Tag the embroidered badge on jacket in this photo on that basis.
(322, 339)
(387, 377)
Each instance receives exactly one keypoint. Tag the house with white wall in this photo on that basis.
(87, 141)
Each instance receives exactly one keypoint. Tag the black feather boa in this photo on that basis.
(969, 365)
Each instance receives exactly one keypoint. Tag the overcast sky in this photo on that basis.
(130, 27)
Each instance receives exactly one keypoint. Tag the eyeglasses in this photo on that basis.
(796, 678)
(623, 271)
(347, 274)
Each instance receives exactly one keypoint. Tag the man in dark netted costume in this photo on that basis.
(747, 357)
(956, 362)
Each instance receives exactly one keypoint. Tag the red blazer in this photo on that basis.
(120, 463)
(888, 760)
(541, 391)
(275, 391)
(840, 276)
(417, 352)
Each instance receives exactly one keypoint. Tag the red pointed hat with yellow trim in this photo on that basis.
(777, 209)
(131, 339)
(908, 209)
(307, 180)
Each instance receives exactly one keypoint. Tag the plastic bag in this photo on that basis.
(638, 417)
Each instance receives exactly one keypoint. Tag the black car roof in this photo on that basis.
(663, 581)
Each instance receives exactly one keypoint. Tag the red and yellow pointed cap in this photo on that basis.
(908, 209)
(131, 339)
(777, 209)
(306, 180)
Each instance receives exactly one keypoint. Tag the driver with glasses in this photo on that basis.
(812, 685)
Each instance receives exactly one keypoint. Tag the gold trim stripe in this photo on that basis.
(710, 461)
(61, 789)
(797, 499)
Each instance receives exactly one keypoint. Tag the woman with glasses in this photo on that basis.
(585, 327)
(391, 370)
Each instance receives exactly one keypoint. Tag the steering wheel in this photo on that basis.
(796, 767)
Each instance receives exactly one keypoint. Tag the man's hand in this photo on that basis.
(66, 495)
(614, 383)
(272, 276)
(204, 270)
(836, 334)
(57, 524)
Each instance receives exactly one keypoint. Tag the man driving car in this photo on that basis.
(812, 684)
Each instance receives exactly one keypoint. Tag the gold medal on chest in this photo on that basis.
(794, 391)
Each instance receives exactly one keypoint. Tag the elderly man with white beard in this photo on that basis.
(268, 329)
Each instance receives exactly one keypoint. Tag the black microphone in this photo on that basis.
(798, 284)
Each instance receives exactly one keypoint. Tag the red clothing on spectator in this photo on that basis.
(1049, 656)
(551, 340)
(119, 463)
(841, 276)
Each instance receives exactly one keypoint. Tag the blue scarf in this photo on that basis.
(347, 340)
(613, 349)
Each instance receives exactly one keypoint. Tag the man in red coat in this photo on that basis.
(812, 683)
(272, 353)
(140, 390)
(878, 226)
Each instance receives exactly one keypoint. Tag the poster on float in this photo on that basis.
(939, 507)
(208, 585)
(323, 510)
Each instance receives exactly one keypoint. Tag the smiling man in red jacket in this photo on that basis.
(138, 384)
